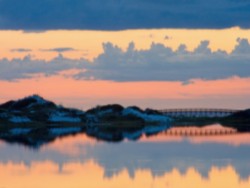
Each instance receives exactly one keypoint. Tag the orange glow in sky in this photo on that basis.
(229, 93)
(73, 54)
(88, 44)
(86, 94)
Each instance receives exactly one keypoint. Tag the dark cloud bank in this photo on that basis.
(39, 15)
(159, 63)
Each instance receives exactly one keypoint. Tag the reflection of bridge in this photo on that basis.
(195, 131)
(198, 112)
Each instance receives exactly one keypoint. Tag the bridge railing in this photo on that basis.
(199, 112)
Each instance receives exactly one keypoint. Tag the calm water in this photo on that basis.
(173, 161)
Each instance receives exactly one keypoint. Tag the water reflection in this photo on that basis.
(71, 145)
(232, 139)
(92, 174)
(36, 138)
(156, 161)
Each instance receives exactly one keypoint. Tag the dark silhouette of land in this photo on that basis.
(34, 121)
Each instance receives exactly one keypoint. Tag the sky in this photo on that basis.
(123, 14)
(157, 54)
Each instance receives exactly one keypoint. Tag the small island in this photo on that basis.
(34, 121)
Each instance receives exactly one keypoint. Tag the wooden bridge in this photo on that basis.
(198, 112)
(196, 131)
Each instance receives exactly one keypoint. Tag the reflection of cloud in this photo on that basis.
(71, 145)
(159, 63)
(91, 174)
(176, 136)
(1, 143)
(234, 140)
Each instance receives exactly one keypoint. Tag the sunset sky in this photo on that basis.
(159, 54)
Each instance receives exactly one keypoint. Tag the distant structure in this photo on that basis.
(196, 131)
(198, 112)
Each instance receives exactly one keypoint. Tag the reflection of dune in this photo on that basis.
(91, 174)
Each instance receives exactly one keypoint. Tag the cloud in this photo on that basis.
(59, 50)
(27, 67)
(123, 14)
(158, 63)
(20, 50)
(167, 37)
